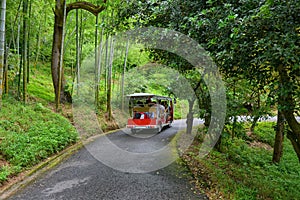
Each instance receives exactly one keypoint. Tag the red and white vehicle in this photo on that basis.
(149, 111)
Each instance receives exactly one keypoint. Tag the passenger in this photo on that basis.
(136, 115)
(157, 109)
(168, 108)
(139, 104)
(149, 102)
(161, 108)
(168, 111)
(152, 110)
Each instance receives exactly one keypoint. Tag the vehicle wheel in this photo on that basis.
(159, 128)
(133, 131)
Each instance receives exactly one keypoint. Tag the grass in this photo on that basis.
(40, 85)
(241, 171)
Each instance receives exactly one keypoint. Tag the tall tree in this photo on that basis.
(60, 89)
(99, 64)
(29, 12)
(97, 71)
(24, 48)
(109, 79)
(77, 73)
(60, 94)
(2, 45)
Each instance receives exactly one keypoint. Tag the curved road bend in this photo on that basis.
(83, 177)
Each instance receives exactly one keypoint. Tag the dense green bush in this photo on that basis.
(30, 134)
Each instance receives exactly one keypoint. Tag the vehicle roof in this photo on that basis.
(143, 95)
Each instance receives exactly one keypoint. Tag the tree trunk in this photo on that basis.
(6, 71)
(77, 73)
(254, 123)
(256, 117)
(19, 59)
(28, 43)
(96, 65)
(288, 110)
(56, 46)
(2, 43)
(278, 145)
(60, 94)
(24, 49)
(106, 61)
(294, 134)
(99, 61)
(109, 80)
(207, 119)
(190, 118)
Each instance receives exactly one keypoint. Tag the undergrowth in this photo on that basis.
(241, 171)
(30, 134)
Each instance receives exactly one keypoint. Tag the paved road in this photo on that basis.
(82, 176)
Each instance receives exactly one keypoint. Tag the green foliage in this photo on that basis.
(181, 109)
(7, 170)
(41, 28)
(41, 85)
(265, 132)
(30, 134)
(4, 172)
(236, 129)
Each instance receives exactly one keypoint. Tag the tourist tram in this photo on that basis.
(149, 111)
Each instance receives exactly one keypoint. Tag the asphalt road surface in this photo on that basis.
(124, 175)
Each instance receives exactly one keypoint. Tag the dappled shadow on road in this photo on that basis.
(84, 177)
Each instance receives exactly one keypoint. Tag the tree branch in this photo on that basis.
(95, 10)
